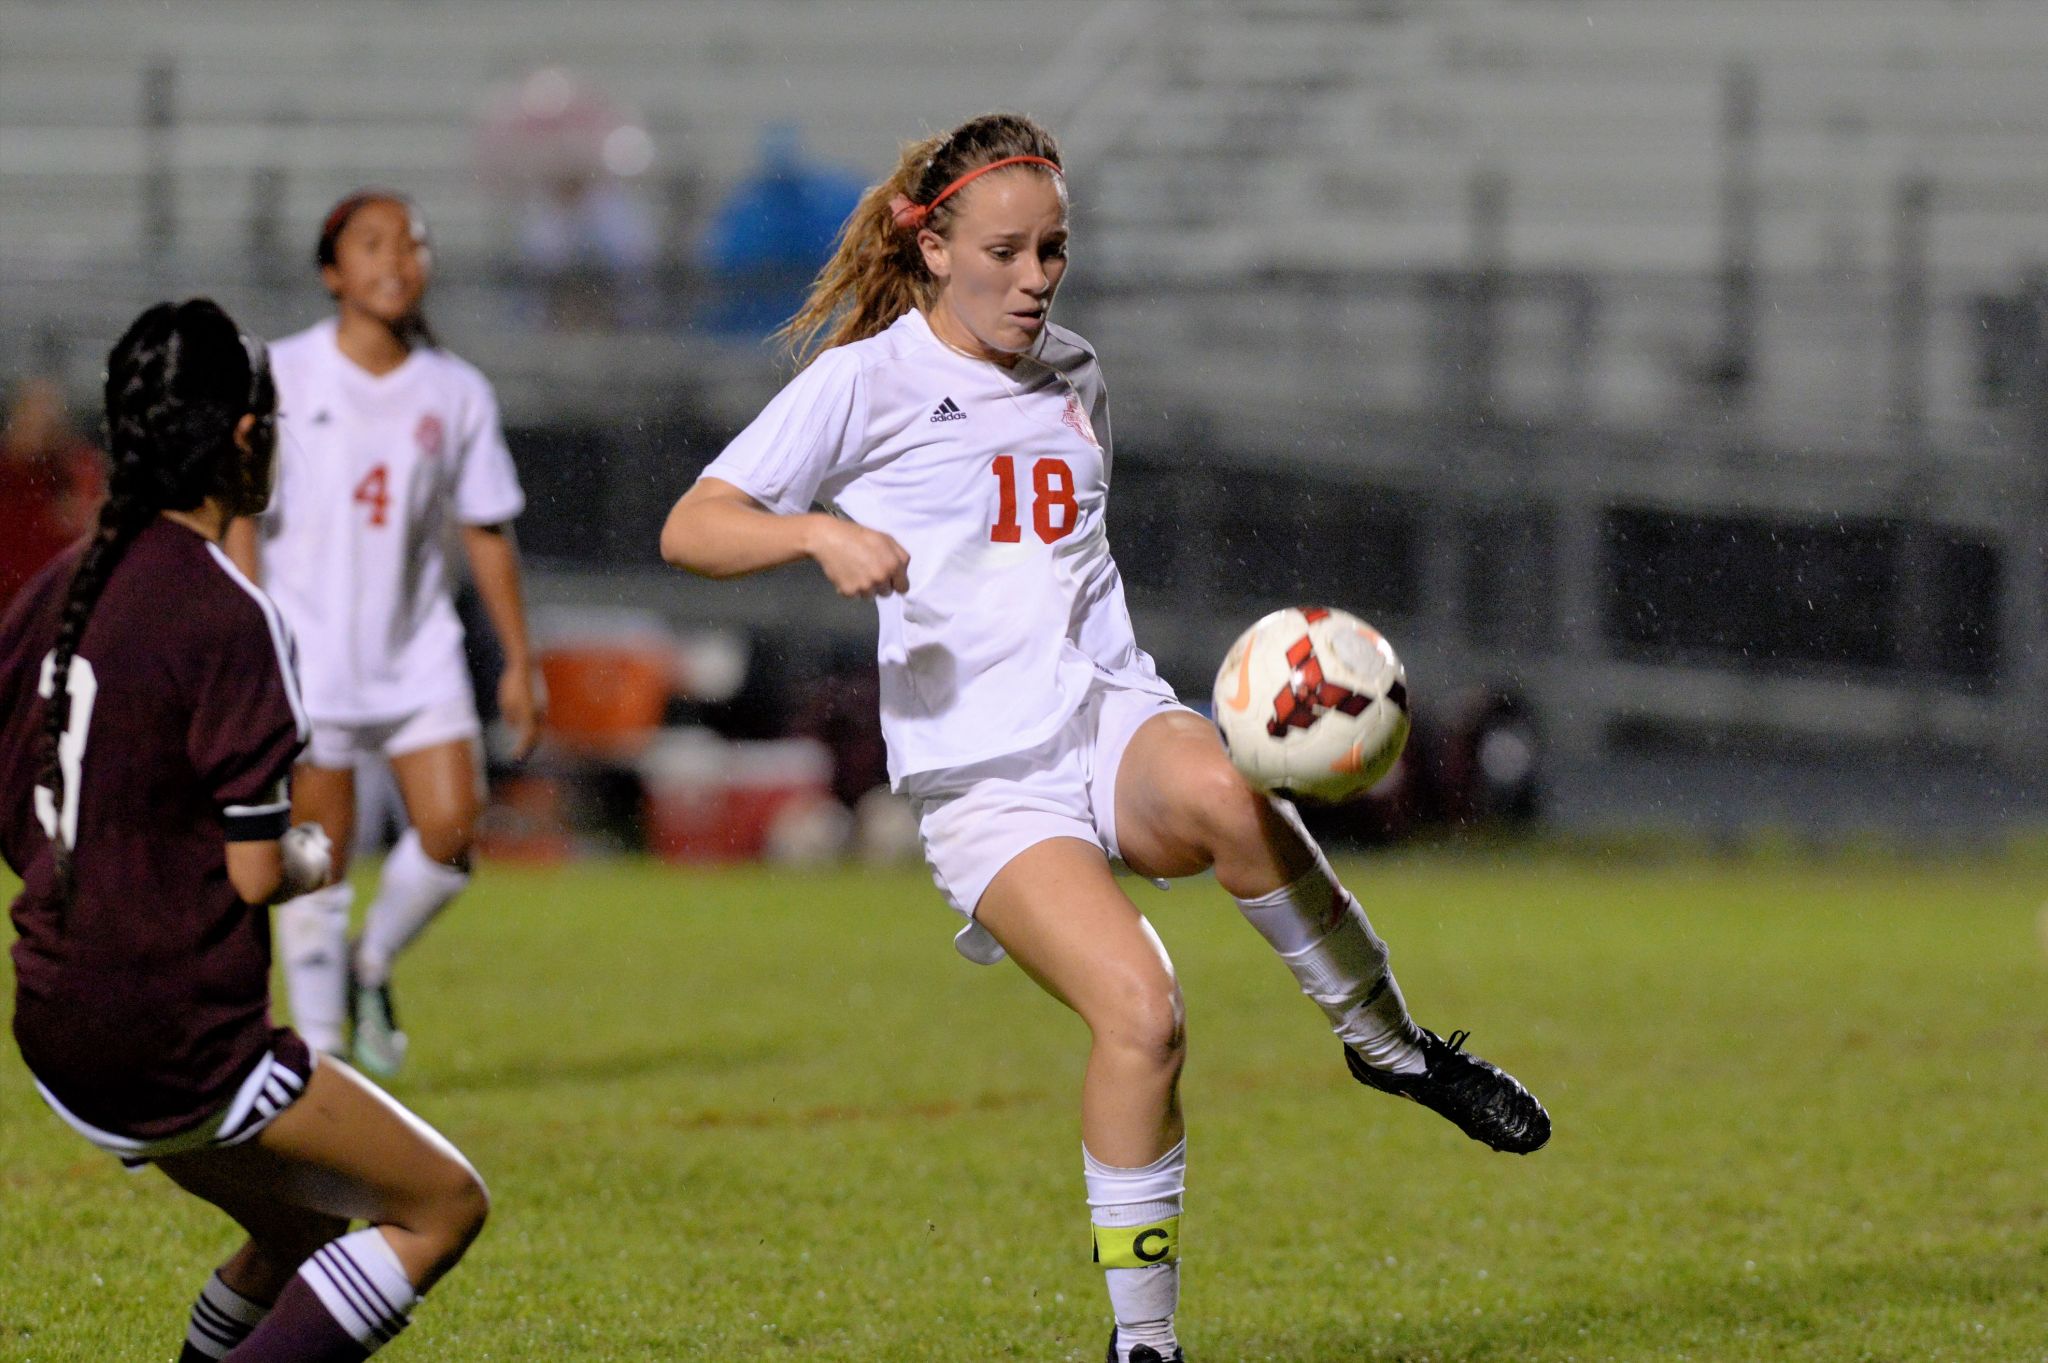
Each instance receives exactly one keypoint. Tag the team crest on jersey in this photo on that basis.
(1078, 419)
(430, 435)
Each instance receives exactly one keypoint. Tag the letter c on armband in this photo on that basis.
(1138, 1246)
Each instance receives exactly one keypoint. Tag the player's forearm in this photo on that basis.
(721, 537)
(494, 566)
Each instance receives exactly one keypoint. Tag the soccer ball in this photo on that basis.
(1312, 703)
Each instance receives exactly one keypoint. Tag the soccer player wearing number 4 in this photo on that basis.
(149, 716)
(963, 442)
(388, 442)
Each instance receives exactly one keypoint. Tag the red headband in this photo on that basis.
(911, 216)
(337, 219)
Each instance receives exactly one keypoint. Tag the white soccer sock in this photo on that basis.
(363, 1286)
(1135, 1215)
(312, 933)
(1321, 931)
(412, 891)
(221, 1319)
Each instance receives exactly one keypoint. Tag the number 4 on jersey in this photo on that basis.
(1054, 511)
(375, 493)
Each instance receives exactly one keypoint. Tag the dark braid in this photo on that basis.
(178, 382)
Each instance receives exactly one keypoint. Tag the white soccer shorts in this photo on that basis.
(338, 745)
(975, 819)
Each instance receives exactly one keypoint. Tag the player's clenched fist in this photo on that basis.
(522, 704)
(859, 561)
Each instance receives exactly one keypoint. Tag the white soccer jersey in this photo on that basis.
(994, 481)
(373, 474)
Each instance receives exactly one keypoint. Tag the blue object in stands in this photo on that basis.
(768, 239)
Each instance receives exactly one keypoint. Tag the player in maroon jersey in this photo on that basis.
(149, 717)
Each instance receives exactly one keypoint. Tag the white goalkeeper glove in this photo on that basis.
(307, 854)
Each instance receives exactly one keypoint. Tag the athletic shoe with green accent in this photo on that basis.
(1143, 1353)
(1478, 1097)
(379, 1045)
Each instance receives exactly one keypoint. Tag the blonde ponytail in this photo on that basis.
(876, 273)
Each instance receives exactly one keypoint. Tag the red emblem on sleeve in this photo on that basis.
(1078, 420)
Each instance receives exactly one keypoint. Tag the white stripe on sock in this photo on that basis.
(221, 1319)
(341, 1303)
(363, 1286)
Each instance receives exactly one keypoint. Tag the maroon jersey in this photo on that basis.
(142, 1001)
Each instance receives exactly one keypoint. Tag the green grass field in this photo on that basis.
(1802, 1113)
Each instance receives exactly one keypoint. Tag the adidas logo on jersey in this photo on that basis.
(948, 410)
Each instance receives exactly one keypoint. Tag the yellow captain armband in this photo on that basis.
(1138, 1246)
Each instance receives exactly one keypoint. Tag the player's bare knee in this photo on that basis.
(1228, 815)
(449, 841)
(469, 1208)
(449, 1210)
(459, 1193)
(1149, 1024)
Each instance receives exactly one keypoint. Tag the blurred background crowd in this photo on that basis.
(1668, 381)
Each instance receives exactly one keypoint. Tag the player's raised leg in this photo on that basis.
(1058, 912)
(344, 1151)
(424, 873)
(1182, 808)
(312, 930)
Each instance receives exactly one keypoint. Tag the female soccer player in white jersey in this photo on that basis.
(388, 444)
(961, 444)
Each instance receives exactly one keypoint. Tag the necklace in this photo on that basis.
(958, 350)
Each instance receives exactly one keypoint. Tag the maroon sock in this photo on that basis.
(298, 1330)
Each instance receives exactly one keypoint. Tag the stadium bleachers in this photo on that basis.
(1306, 134)
(1606, 117)
(1361, 123)
(394, 89)
(1212, 139)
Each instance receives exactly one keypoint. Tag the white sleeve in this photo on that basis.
(486, 485)
(812, 428)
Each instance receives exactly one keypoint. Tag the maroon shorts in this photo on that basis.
(272, 1083)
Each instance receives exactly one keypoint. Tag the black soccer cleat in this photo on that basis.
(1143, 1353)
(1478, 1097)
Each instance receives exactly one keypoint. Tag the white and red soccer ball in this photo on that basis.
(1312, 702)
